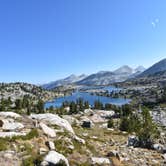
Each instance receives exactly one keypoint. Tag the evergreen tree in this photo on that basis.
(110, 123)
(86, 105)
(148, 131)
(73, 108)
(98, 105)
(18, 104)
(40, 106)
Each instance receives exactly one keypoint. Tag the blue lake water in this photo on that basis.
(87, 97)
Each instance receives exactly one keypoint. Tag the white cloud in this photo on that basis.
(155, 22)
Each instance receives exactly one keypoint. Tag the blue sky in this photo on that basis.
(41, 41)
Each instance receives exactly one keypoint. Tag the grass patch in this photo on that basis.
(3, 144)
(32, 134)
(62, 147)
(34, 159)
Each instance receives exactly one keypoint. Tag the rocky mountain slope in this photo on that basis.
(156, 68)
(155, 75)
(106, 78)
(18, 90)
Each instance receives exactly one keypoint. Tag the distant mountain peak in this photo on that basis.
(124, 69)
(139, 69)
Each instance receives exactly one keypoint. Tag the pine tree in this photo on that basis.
(40, 106)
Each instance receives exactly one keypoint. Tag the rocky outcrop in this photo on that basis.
(105, 114)
(88, 112)
(53, 119)
(87, 123)
(54, 158)
(159, 116)
(71, 119)
(11, 134)
(9, 158)
(14, 126)
(9, 114)
(101, 116)
(47, 130)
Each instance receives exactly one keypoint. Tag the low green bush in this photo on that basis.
(110, 123)
(3, 144)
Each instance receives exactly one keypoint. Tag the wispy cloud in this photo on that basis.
(155, 22)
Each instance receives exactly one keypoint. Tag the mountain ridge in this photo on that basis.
(100, 78)
(155, 68)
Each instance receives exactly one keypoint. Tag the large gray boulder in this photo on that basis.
(53, 119)
(54, 158)
(13, 126)
(10, 114)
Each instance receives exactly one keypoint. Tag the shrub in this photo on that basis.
(3, 144)
(33, 160)
(33, 133)
(110, 123)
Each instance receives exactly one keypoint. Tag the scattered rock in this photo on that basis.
(164, 156)
(159, 148)
(100, 161)
(47, 130)
(95, 118)
(94, 137)
(9, 154)
(9, 158)
(133, 141)
(105, 114)
(85, 134)
(114, 153)
(104, 126)
(71, 147)
(88, 112)
(80, 140)
(50, 145)
(42, 151)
